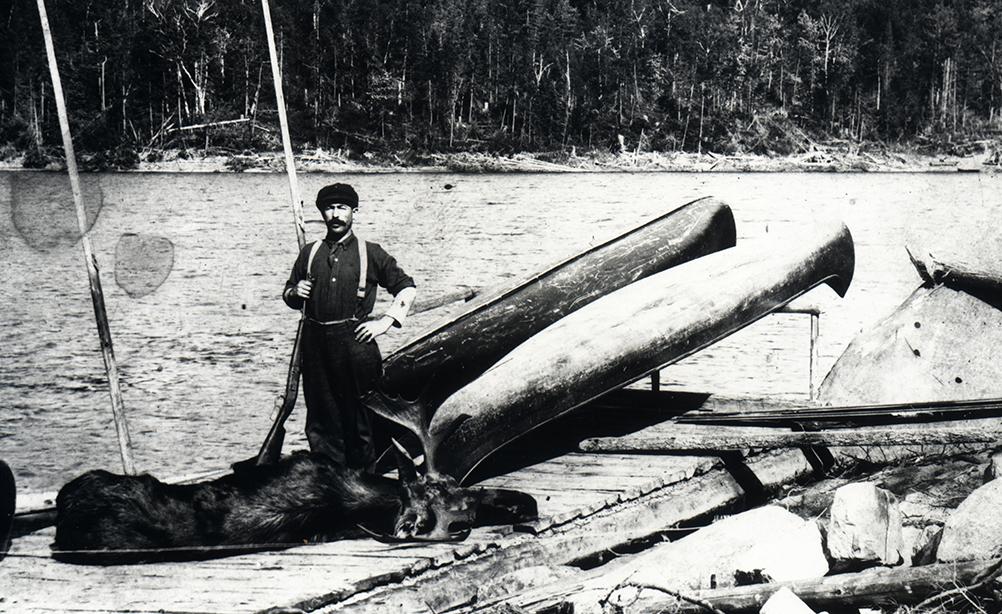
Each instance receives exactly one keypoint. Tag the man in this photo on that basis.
(336, 279)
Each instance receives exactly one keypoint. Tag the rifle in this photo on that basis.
(271, 449)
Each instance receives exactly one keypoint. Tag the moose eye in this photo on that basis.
(426, 523)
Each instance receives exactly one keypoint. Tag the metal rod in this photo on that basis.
(97, 296)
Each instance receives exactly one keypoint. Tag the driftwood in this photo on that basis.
(871, 587)
(671, 437)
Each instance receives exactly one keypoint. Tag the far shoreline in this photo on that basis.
(319, 161)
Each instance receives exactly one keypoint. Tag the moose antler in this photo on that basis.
(415, 416)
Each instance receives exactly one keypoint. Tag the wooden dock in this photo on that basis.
(589, 504)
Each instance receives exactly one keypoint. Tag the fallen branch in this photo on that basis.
(990, 574)
(210, 124)
(702, 603)
(873, 587)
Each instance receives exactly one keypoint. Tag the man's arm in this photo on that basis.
(394, 316)
(297, 287)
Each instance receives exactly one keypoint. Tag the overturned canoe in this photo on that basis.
(628, 334)
(454, 352)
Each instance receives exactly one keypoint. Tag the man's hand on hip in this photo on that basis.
(368, 331)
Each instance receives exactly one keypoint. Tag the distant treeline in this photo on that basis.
(504, 76)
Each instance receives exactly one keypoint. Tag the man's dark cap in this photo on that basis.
(338, 193)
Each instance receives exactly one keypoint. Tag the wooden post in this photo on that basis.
(815, 330)
(290, 163)
(97, 296)
(815, 314)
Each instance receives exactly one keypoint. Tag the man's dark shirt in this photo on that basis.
(335, 273)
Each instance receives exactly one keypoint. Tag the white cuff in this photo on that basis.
(401, 305)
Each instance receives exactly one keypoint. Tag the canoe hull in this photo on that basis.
(630, 333)
(456, 351)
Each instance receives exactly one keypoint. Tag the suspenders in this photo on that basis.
(363, 261)
(363, 266)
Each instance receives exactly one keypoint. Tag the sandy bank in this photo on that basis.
(318, 161)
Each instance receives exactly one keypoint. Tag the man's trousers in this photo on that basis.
(337, 370)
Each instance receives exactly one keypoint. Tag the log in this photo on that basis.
(671, 437)
(873, 587)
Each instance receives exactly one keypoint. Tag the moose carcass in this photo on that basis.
(103, 518)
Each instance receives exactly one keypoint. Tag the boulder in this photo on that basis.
(784, 601)
(974, 530)
(764, 544)
(864, 527)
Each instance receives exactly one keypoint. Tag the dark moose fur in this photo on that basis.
(303, 498)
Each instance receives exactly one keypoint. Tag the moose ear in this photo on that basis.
(405, 464)
(501, 506)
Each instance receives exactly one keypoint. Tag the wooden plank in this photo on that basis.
(665, 439)
(635, 518)
(580, 523)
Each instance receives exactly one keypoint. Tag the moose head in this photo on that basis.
(435, 506)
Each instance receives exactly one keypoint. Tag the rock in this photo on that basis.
(784, 601)
(994, 468)
(974, 530)
(767, 543)
(864, 527)
(921, 543)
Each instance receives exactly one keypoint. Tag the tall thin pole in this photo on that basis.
(97, 296)
(290, 163)
(271, 449)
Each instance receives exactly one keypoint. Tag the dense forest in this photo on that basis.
(425, 76)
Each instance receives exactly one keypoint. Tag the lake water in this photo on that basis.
(203, 357)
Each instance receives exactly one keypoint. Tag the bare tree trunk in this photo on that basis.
(567, 94)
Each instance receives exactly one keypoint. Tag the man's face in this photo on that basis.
(338, 217)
